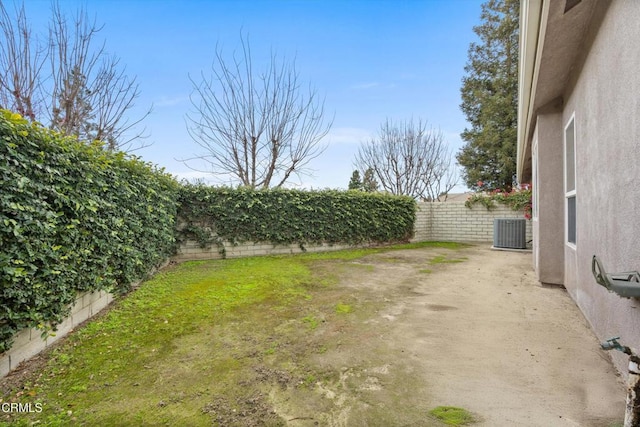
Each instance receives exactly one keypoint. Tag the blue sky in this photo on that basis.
(371, 60)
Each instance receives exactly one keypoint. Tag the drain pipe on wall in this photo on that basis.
(632, 412)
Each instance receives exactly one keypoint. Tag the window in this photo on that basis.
(570, 180)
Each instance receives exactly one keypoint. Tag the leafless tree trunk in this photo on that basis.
(409, 159)
(84, 92)
(255, 127)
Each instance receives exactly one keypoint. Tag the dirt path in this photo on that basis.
(481, 334)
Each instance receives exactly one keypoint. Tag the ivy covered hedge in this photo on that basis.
(212, 215)
(74, 218)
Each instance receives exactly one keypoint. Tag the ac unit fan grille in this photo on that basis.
(510, 233)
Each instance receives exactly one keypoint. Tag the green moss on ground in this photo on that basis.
(201, 343)
(452, 416)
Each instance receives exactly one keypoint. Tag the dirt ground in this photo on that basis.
(400, 333)
(481, 334)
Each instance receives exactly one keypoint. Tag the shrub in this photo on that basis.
(278, 216)
(517, 199)
(74, 218)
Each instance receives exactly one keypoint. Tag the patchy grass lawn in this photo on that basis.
(202, 343)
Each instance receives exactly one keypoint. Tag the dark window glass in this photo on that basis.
(571, 219)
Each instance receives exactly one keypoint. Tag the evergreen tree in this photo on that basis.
(369, 182)
(489, 99)
(355, 183)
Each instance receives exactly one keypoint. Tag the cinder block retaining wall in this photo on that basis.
(29, 342)
(448, 221)
(453, 221)
(191, 250)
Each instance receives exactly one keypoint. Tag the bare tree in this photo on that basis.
(83, 92)
(409, 159)
(256, 127)
(21, 62)
(90, 94)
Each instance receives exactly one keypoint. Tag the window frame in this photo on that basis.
(570, 193)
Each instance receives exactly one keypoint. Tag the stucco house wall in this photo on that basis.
(605, 95)
(598, 85)
(548, 216)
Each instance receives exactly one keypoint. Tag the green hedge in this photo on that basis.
(278, 216)
(74, 218)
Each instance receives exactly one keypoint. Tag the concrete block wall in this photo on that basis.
(422, 226)
(29, 342)
(447, 221)
(191, 250)
(453, 221)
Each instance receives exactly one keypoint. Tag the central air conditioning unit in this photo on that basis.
(510, 233)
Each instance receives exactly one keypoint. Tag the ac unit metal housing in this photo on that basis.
(510, 233)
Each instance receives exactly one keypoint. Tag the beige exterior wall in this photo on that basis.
(604, 95)
(548, 224)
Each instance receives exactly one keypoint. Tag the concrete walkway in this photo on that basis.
(489, 338)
